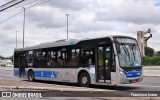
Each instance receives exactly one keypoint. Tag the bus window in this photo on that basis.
(48, 58)
(64, 58)
(73, 57)
(41, 59)
(92, 57)
(59, 58)
(30, 56)
(53, 58)
(87, 58)
(77, 57)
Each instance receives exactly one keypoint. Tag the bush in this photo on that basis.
(155, 60)
(145, 60)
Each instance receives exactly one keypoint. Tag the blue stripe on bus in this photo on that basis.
(47, 74)
(16, 72)
(26, 73)
(130, 74)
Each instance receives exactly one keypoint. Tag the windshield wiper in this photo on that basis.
(126, 51)
(133, 53)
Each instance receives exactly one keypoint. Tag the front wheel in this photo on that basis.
(31, 76)
(84, 80)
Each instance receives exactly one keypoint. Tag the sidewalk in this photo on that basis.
(6, 68)
(14, 84)
(151, 67)
(151, 71)
(28, 86)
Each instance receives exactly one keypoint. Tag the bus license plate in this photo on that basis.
(133, 81)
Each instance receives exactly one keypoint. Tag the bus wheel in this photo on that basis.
(31, 76)
(84, 80)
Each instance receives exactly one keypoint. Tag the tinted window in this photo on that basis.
(87, 57)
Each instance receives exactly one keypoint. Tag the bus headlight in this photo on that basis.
(122, 73)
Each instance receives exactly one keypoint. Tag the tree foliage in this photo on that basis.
(11, 57)
(149, 51)
(1, 57)
(158, 53)
(147, 60)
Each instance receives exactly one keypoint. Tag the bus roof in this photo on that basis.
(64, 42)
(51, 44)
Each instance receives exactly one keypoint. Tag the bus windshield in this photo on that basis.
(129, 55)
(128, 52)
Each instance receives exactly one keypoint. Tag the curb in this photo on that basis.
(151, 75)
(55, 89)
(4, 68)
(8, 87)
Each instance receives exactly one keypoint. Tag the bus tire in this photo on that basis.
(84, 80)
(31, 76)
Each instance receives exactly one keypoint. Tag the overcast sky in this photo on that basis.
(87, 19)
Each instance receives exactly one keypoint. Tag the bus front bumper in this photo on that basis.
(125, 80)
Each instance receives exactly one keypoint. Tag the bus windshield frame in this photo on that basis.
(128, 52)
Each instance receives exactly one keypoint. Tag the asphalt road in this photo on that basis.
(148, 84)
(7, 74)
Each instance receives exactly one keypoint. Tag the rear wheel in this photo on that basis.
(84, 80)
(31, 76)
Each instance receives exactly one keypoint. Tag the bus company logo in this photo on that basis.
(138, 73)
(6, 94)
(129, 74)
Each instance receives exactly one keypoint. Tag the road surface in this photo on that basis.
(73, 90)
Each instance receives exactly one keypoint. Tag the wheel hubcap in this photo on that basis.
(84, 80)
(31, 77)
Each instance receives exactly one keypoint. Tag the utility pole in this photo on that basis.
(16, 39)
(67, 24)
(23, 25)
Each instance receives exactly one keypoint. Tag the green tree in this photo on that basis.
(149, 51)
(11, 57)
(1, 57)
(158, 53)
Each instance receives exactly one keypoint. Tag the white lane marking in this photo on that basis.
(139, 85)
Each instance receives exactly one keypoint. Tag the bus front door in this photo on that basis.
(103, 64)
